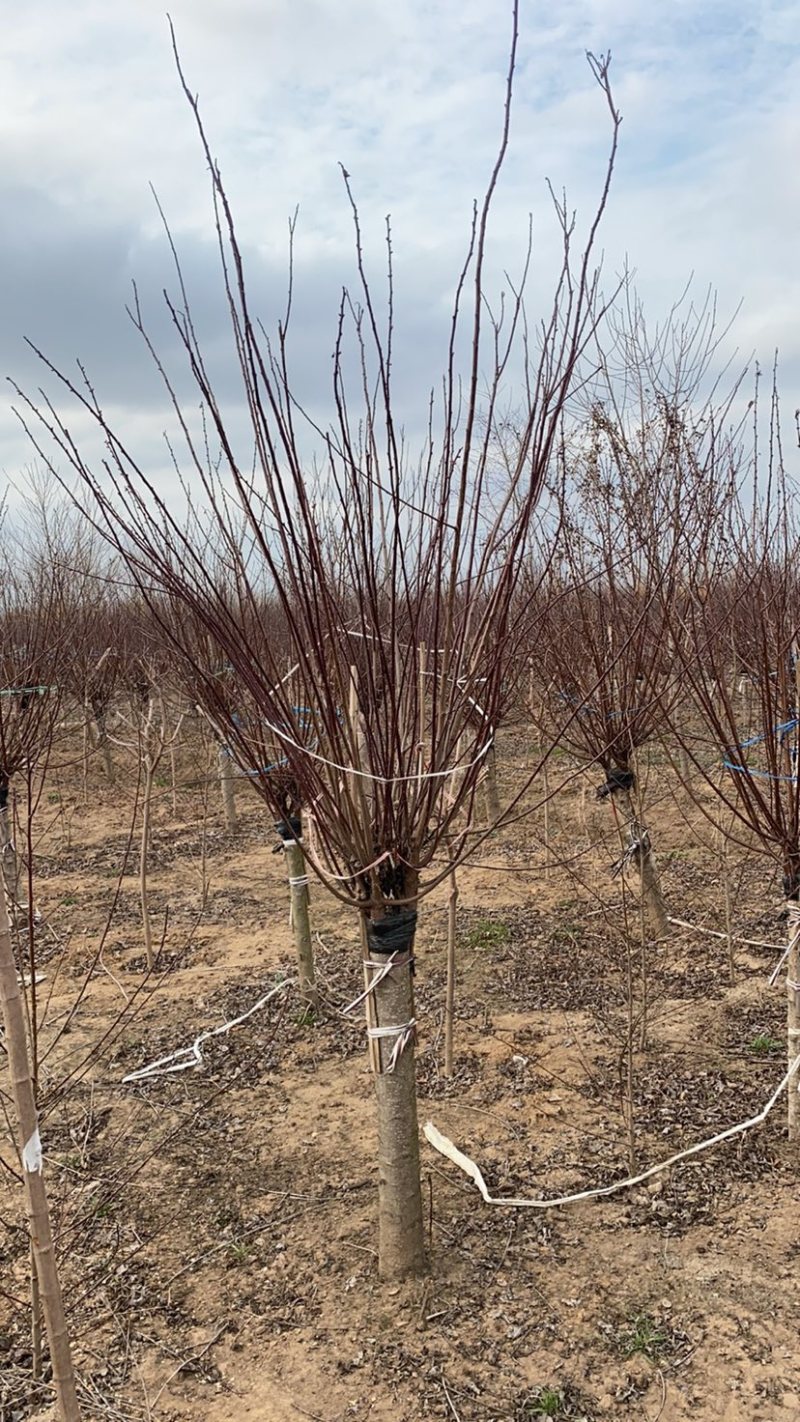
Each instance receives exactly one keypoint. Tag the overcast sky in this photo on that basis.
(408, 96)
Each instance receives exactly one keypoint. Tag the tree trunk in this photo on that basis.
(104, 745)
(645, 863)
(301, 923)
(35, 1194)
(546, 790)
(105, 750)
(685, 769)
(8, 854)
(401, 1244)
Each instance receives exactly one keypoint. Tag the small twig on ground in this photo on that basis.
(662, 1380)
(217, 1248)
(426, 1293)
(313, 1415)
(714, 933)
(450, 1402)
(493, 1115)
(193, 1358)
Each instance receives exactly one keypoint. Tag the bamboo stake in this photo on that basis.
(423, 668)
(226, 781)
(35, 1193)
(724, 874)
(301, 923)
(490, 787)
(362, 791)
(545, 770)
(86, 753)
(204, 883)
(369, 1002)
(452, 908)
(144, 844)
(370, 1011)
(36, 1321)
(793, 965)
(546, 788)
(173, 770)
(793, 1015)
(450, 994)
(627, 1062)
(173, 742)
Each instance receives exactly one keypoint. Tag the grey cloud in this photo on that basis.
(65, 279)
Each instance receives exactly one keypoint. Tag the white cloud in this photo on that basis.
(408, 95)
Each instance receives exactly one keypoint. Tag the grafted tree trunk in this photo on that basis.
(401, 1243)
(9, 869)
(645, 862)
(98, 713)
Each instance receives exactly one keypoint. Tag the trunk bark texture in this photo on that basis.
(646, 865)
(401, 1242)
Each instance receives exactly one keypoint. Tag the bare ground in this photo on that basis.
(217, 1228)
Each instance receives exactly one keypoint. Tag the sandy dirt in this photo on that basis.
(217, 1228)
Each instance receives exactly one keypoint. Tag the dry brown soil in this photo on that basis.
(217, 1228)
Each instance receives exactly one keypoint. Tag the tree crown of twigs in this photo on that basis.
(382, 687)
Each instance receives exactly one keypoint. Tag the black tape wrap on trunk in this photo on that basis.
(616, 780)
(290, 828)
(3, 794)
(392, 934)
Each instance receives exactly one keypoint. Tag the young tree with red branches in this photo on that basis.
(739, 619)
(400, 646)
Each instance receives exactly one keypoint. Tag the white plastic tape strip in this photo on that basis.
(32, 1155)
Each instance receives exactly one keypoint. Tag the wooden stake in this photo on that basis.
(226, 781)
(490, 787)
(793, 1018)
(722, 856)
(546, 788)
(301, 923)
(793, 967)
(423, 668)
(450, 994)
(144, 849)
(36, 1321)
(369, 1001)
(35, 1193)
